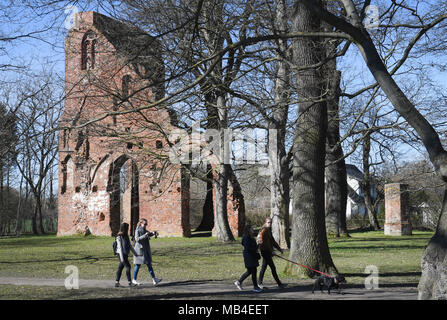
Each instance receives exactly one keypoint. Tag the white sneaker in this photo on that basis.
(156, 281)
(238, 285)
(135, 282)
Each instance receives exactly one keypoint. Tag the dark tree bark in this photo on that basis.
(336, 183)
(278, 160)
(434, 263)
(309, 244)
(366, 184)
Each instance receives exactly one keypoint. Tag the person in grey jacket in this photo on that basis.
(124, 247)
(143, 249)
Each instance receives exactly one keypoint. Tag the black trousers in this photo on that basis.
(123, 263)
(267, 260)
(250, 271)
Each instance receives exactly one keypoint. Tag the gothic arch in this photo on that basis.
(67, 174)
(88, 50)
(124, 200)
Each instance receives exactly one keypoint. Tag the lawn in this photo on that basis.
(396, 258)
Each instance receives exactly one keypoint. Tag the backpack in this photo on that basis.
(115, 247)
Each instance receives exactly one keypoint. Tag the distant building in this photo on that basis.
(356, 201)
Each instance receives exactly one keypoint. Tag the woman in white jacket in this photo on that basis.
(143, 249)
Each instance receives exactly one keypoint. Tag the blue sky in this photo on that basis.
(47, 51)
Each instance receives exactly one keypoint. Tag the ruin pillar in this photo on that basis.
(397, 220)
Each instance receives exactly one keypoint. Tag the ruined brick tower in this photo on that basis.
(114, 69)
(113, 163)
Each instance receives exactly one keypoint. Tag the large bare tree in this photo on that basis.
(433, 261)
(309, 242)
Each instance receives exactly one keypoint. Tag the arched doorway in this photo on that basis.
(124, 194)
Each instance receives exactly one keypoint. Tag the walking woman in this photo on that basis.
(251, 257)
(143, 249)
(123, 249)
(266, 244)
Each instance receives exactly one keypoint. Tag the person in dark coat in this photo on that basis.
(143, 249)
(251, 257)
(124, 247)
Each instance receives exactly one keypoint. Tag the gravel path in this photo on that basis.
(222, 290)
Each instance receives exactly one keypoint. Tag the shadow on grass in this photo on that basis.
(201, 234)
(266, 294)
(214, 295)
(385, 239)
(385, 274)
(378, 247)
(95, 259)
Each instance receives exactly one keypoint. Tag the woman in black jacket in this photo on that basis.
(123, 250)
(251, 257)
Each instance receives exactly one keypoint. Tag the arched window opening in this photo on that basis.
(88, 51)
(67, 174)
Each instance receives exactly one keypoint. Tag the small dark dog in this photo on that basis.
(329, 282)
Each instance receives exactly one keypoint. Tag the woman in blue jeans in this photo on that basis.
(123, 250)
(143, 249)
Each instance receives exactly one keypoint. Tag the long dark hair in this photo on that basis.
(247, 230)
(124, 229)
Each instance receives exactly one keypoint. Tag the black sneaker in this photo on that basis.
(117, 285)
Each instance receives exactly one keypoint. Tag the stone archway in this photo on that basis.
(124, 194)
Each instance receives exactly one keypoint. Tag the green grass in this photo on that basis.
(397, 258)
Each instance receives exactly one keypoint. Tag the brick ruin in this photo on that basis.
(116, 168)
(397, 220)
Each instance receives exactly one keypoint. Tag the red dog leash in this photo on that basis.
(302, 265)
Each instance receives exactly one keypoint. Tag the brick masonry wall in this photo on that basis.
(396, 210)
(91, 156)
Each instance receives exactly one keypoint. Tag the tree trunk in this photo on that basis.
(18, 226)
(37, 218)
(34, 221)
(220, 182)
(366, 184)
(336, 194)
(279, 190)
(309, 244)
(336, 183)
(278, 162)
(40, 219)
(433, 282)
(434, 263)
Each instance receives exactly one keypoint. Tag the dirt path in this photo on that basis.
(222, 290)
